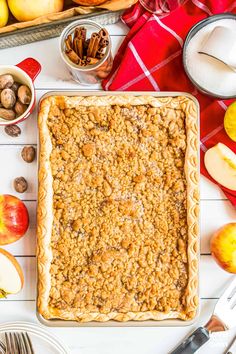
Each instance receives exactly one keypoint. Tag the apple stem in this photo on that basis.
(3, 294)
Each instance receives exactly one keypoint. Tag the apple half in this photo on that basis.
(11, 275)
(220, 162)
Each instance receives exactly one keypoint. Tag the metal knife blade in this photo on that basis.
(232, 348)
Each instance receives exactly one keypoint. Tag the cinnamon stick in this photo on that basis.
(80, 32)
(73, 56)
(70, 41)
(103, 33)
(83, 34)
(86, 44)
(93, 45)
(104, 43)
(100, 53)
(67, 44)
(79, 47)
(92, 61)
(83, 62)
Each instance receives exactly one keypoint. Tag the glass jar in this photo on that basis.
(160, 7)
(89, 74)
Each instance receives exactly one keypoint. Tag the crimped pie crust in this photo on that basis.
(45, 207)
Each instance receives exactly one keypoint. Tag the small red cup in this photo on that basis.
(25, 72)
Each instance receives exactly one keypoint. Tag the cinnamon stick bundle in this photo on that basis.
(84, 51)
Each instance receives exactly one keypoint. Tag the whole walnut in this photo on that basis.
(12, 130)
(7, 114)
(24, 94)
(28, 154)
(20, 184)
(20, 108)
(15, 86)
(6, 80)
(8, 98)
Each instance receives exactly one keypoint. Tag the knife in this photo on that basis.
(232, 348)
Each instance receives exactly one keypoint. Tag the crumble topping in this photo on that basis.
(119, 237)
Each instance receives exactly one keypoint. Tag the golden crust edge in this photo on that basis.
(43, 252)
(192, 175)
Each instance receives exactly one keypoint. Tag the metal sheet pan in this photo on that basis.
(53, 29)
(149, 323)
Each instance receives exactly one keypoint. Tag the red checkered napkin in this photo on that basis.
(150, 58)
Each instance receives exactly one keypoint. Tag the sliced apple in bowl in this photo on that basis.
(11, 275)
(220, 162)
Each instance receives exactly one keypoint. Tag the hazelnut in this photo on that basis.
(28, 154)
(20, 184)
(12, 130)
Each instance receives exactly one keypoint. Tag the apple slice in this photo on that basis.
(11, 275)
(220, 163)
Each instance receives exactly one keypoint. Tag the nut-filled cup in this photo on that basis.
(84, 69)
(19, 82)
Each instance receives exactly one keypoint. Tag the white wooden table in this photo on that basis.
(215, 211)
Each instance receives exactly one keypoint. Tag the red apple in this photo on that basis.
(223, 247)
(14, 219)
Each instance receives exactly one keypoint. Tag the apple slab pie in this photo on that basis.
(118, 208)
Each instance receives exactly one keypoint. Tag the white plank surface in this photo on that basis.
(215, 211)
(54, 73)
(157, 340)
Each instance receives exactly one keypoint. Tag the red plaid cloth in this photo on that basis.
(150, 58)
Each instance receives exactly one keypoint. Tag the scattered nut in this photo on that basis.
(24, 94)
(8, 98)
(7, 114)
(12, 130)
(15, 86)
(20, 184)
(6, 81)
(28, 154)
(20, 108)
